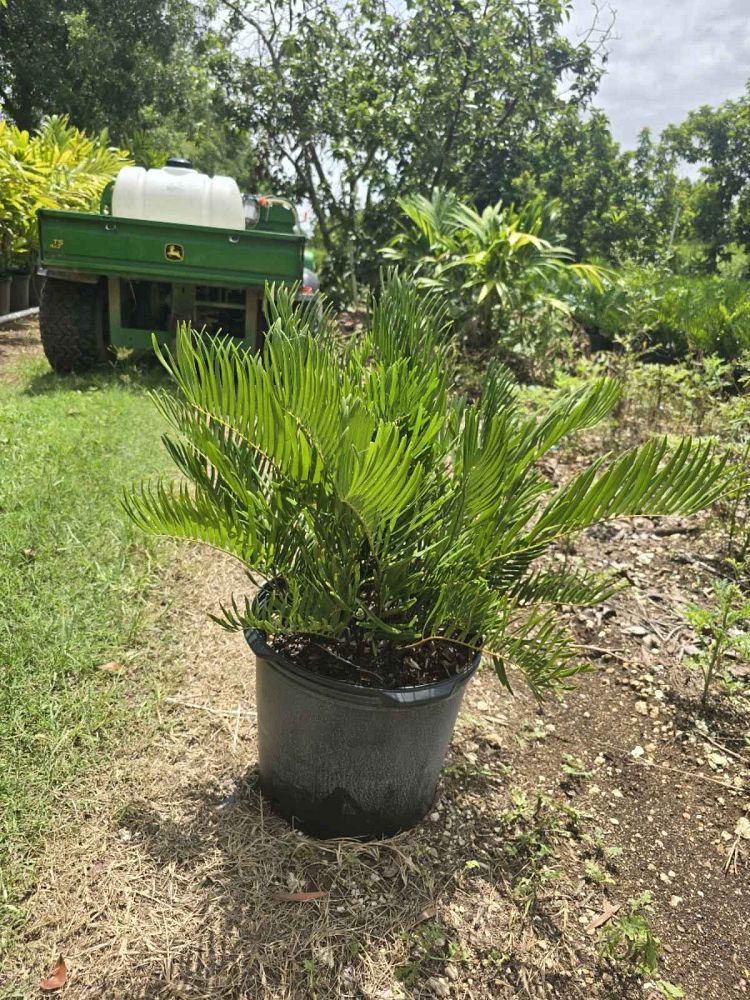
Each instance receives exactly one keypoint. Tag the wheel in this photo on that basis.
(72, 321)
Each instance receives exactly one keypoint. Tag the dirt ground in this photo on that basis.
(168, 877)
(17, 341)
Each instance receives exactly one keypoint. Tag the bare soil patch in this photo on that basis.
(17, 342)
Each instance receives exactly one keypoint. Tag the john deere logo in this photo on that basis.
(174, 251)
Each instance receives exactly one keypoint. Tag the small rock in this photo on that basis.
(435, 817)
(637, 752)
(440, 987)
(324, 955)
(641, 708)
(675, 901)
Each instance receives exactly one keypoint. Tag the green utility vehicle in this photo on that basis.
(167, 246)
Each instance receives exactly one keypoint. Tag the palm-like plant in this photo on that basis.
(58, 166)
(390, 513)
(492, 266)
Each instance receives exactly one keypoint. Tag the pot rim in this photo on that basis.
(257, 640)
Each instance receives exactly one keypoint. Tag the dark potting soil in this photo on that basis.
(389, 667)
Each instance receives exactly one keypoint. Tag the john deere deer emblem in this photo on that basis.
(174, 251)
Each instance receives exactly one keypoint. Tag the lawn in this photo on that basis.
(72, 588)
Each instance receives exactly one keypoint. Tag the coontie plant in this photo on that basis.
(403, 529)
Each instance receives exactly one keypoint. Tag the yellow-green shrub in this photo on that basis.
(58, 166)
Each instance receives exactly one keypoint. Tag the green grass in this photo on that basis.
(74, 577)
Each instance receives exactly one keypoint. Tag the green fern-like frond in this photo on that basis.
(389, 512)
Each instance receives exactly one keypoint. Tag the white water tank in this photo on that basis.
(178, 194)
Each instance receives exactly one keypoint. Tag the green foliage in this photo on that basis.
(493, 268)
(614, 204)
(431, 944)
(597, 841)
(57, 167)
(717, 139)
(389, 511)
(358, 103)
(596, 874)
(629, 939)
(723, 623)
(532, 830)
(643, 305)
(712, 313)
(574, 768)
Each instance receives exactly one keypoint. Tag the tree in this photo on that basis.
(155, 73)
(718, 139)
(363, 101)
(614, 204)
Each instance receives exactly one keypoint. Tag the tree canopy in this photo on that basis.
(358, 103)
(351, 105)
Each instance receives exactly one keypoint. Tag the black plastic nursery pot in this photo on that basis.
(339, 760)
(19, 292)
(4, 295)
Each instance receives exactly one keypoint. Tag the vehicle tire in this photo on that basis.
(73, 324)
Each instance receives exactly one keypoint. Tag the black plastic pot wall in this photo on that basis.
(340, 760)
(19, 292)
(4, 296)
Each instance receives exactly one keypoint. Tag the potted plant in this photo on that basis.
(15, 206)
(58, 166)
(5, 281)
(397, 532)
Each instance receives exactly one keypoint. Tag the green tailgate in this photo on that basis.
(166, 251)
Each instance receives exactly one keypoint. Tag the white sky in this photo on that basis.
(667, 57)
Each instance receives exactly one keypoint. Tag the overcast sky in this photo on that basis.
(668, 57)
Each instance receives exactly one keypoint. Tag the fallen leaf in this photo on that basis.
(58, 977)
(113, 667)
(428, 913)
(607, 914)
(297, 897)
